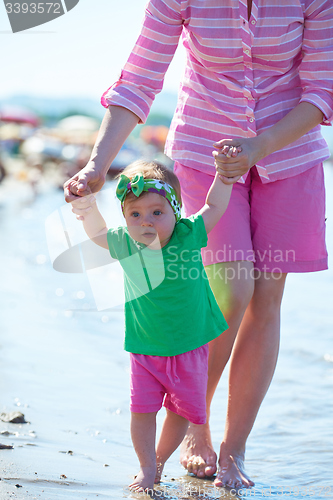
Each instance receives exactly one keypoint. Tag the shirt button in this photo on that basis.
(251, 120)
(247, 52)
(253, 21)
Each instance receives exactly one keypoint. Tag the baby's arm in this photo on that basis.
(217, 201)
(94, 225)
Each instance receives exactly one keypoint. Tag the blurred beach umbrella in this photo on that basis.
(18, 114)
(77, 129)
(78, 123)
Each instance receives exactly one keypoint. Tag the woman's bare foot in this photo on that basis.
(196, 451)
(231, 471)
(144, 480)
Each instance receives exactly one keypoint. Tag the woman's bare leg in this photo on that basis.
(143, 432)
(232, 284)
(197, 454)
(252, 367)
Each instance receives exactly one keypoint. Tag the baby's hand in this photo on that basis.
(82, 206)
(231, 151)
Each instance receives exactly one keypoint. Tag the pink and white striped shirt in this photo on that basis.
(241, 75)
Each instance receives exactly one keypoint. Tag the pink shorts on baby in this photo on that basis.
(178, 382)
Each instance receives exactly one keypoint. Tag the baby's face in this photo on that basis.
(148, 217)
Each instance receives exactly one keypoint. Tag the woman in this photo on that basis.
(257, 77)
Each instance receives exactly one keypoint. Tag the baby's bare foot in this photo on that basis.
(196, 453)
(231, 473)
(144, 481)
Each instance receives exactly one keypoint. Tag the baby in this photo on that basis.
(168, 320)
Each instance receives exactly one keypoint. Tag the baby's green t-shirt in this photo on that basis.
(169, 306)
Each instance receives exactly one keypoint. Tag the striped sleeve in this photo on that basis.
(143, 74)
(316, 68)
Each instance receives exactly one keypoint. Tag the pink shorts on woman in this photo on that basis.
(280, 225)
(178, 382)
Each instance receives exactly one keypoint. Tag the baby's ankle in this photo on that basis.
(144, 480)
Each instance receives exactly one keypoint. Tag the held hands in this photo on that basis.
(82, 206)
(88, 180)
(235, 157)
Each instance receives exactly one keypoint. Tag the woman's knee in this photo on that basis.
(267, 295)
(233, 285)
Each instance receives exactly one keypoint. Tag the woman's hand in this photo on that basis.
(235, 157)
(88, 180)
(81, 206)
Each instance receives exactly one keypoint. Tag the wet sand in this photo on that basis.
(63, 366)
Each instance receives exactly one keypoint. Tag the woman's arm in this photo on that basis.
(130, 98)
(316, 101)
(300, 120)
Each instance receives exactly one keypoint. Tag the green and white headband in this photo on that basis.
(138, 184)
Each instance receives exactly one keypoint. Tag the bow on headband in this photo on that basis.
(138, 184)
(125, 185)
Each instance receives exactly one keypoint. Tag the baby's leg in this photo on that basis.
(143, 432)
(172, 434)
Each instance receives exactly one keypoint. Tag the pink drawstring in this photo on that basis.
(171, 372)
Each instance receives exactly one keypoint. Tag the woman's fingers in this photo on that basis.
(227, 142)
(236, 156)
(72, 190)
(231, 161)
(86, 182)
